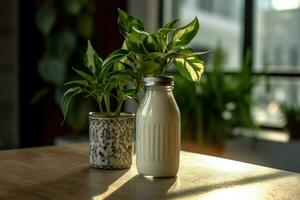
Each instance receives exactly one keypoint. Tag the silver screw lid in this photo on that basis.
(159, 81)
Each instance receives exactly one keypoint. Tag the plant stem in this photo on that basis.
(107, 104)
(118, 110)
(139, 82)
(99, 101)
(100, 106)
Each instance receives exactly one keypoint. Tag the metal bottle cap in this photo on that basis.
(159, 81)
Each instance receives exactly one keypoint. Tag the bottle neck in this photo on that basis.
(158, 92)
(166, 88)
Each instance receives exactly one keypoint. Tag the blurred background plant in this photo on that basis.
(292, 117)
(65, 26)
(210, 110)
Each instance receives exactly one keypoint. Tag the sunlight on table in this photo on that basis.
(204, 177)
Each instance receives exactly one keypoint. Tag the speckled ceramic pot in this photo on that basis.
(111, 140)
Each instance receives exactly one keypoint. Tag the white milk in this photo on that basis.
(158, 130)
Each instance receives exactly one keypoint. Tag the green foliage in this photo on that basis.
(64, 25)
(222, 101)
(52, 66)
(52, 70)
(290, 112)
(189, 66)
(292, 116)
(91, 59)
(73, 7)
(102, 82)
(184, 35)
(61, 44)
(152, 54)
(45, 18)
(67, 97)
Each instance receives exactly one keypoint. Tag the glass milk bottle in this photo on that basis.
(158, 129)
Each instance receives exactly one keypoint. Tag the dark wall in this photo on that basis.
(107, 36)
(30, 49)
(8, 74)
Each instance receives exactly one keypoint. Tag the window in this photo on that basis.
(274, 42)
(276, 37)
(221, 25)
(276, 52)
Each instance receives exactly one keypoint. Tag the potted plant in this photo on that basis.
(158, 116)
(110, 131)
(152, 54)
(292, 116)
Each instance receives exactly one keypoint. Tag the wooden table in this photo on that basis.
(63, 172)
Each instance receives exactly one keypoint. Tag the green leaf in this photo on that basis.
(45, 18)
(92, 92)
(171, 23)
(115, 56)
(91, 58)
(122, 76)
(67, 97)
(131, 94)
(78, 82)
(119, 78)
(162, 43)
(190, 67)
(122, 65)
(127, 22)
(85, 75)
(133, 46)
(98, 64)
(58, 93)
(184, 35)
(149, 67)
(118, 66)
(151, 44)
(140, 31)
(164, 31)
(136, 35)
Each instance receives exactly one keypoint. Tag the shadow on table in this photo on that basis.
(198, 190)
(143, 188)
(82, 184)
